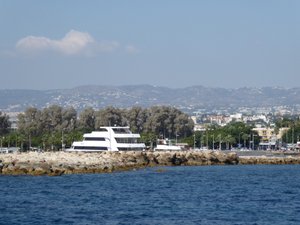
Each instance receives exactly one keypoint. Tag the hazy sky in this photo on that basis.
(172, 43)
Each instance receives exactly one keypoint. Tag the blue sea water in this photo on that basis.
(261, 194)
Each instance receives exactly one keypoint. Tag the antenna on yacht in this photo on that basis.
(109, 123)
(110, 138)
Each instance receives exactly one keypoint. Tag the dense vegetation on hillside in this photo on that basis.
(188, 99)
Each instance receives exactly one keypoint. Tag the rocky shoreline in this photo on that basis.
(59, 163)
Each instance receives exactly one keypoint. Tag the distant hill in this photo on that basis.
(187, 99)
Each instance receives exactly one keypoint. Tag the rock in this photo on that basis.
(1, 166)
(151, 159)
(232, 158)
(178, 159)
(164, 158)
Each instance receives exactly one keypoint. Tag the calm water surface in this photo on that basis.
(170, 195)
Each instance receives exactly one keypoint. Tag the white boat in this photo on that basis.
(9, 150)
(165, 145)
(108, 139)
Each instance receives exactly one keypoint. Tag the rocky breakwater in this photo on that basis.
(58, 163)
(251, 160)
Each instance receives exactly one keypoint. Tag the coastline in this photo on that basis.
(59, 163)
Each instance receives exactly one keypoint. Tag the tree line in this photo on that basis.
(233, 135)
(51, 127)
(54, 126)
(292, 135)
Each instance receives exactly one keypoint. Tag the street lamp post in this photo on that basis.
(240, 139)
(249, 141)
(207, 140)
(62, 140)
(253, 135)
(293, 138)
(29, 137)
(194, 141)
(201, 141)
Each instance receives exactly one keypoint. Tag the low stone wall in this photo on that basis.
(58, 163)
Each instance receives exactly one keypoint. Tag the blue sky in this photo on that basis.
(173, 43)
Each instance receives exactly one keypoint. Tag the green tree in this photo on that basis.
(245, 137)
(75, 135)
(29, 122)
(52, 118)
(220, 140)
(149, 139)
(292, 135)
(4, 124)
(109, 116)
(168, 122)
(136, 118)
(229, 140)
(69, 119)
(87, 120)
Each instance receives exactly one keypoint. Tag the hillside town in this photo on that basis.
(263, 121)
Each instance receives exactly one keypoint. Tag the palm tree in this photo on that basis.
(229, 139)
(245, 138)
(219, 139)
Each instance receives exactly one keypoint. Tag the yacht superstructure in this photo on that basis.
(108, 139)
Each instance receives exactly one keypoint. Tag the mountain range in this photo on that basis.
(187, 99)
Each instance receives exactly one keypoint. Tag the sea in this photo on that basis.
(240, 194)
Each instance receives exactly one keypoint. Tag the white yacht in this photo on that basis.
(108, 139)
(166, 145)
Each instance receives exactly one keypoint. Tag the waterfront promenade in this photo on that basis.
(58, 163)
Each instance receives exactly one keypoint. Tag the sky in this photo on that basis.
(171, 43)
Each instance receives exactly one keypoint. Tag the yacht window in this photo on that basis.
(102, 129)
(121, 131)
(94, 139)
(127, 140)
(130, 149)
(90, 147)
